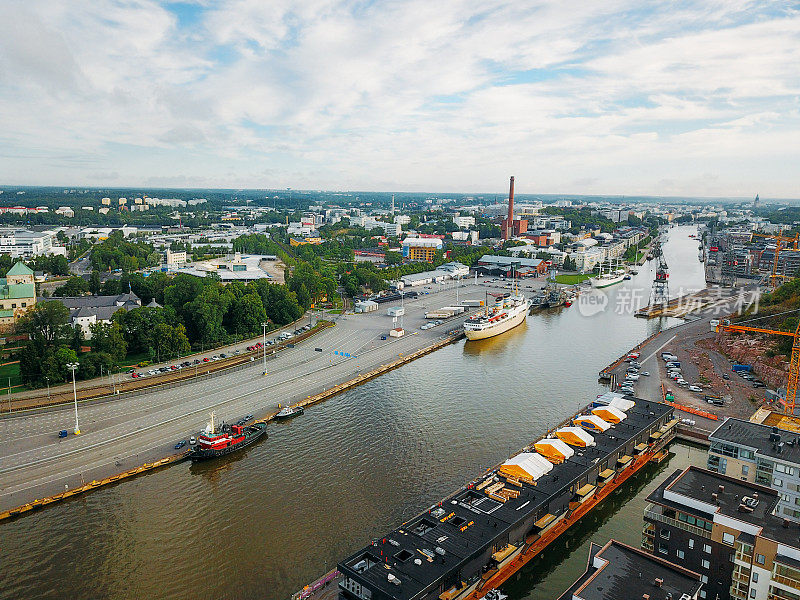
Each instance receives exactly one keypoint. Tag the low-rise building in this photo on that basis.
(85, 311)
(17, 294)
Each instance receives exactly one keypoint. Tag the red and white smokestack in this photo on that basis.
(511, 204)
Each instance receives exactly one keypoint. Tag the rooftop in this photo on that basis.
(618, 571)
(759, 438)
(709, 495)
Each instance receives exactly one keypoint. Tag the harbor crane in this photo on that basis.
(788, 405)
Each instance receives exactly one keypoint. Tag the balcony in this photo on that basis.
(650, 513)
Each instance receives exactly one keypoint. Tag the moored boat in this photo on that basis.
(508, 312)
(214, 441)
(287, 412)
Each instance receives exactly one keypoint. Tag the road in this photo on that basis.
(125, 432)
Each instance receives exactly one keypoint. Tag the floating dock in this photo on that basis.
(475, 539)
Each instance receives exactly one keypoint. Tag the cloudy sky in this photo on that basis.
(613, 96)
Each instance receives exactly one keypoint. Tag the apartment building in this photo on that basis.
(725, 529)
(760, 454)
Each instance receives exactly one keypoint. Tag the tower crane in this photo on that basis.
(790, 402)
(779, 239)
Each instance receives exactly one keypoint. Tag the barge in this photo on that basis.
(472, 541)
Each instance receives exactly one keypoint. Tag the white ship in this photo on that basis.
(507, 312)
(610, 277)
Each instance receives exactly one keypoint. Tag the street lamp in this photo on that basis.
(264, 349)
(74, 366)
(48, 388)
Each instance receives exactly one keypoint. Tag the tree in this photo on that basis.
(94, 283)
(74, 286)
(108, 338)
(46, 323)
(247, 314)
(169, 341)
(393, 258)
(94, 364)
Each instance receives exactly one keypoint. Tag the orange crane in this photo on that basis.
(779, 238)
(789, 404)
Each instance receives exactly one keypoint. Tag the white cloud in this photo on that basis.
(614, 97)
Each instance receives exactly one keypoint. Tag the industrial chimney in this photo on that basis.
(507, 227)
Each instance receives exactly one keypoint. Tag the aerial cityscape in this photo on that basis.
(400, 301)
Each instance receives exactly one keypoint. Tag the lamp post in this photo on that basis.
(48, 389)
(264, 348)
(74, 366)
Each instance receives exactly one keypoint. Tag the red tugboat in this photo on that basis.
(213, 442)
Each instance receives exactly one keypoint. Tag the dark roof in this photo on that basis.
(73, 302)
(477, 520)
(618, 571)
(698, 485)
(757, 437)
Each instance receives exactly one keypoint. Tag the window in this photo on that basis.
(702, 593)
(760, 559)
(691, 543)
(24, 304)
(707, 548)
(780, 468)
(777, 482)
(705, 564)
(753, 593)
(745, 469)
(14, 305)
(662, 548)
(664, 533)
(727, 538)
(704, 578)
(680, 554)
(755, 577)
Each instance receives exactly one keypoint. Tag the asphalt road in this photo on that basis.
(122, 433)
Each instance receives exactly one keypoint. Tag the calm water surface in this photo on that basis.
(264, 522)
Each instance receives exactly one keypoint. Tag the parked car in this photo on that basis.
(205, 359)
(726, 376)
(689, 422)
(63, 433)
(135, 375)
(759, 384)
(192, 441)
(695, 388)
(645, 373)
(681, 381)
(632, 377)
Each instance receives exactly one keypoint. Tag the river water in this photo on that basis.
(276, 516)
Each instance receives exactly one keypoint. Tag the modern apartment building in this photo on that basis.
(725, 529)
(760, 454)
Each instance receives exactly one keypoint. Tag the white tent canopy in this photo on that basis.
(576, 435)
(592, 423)
(609, 413)
(554, 447)
(615, 400)
(535, 465)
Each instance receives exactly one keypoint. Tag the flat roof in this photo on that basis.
(757, 437)
(698, 485)
(617, 571)
(460, 528)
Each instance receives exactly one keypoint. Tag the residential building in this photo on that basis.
(402, 219)
(609, 573)
(464, 222)
(616, 214)
(419, 248)
(85, 311)
(176, 258)
(17, 294)
(726, 530)
(65, 211)
(761, 454)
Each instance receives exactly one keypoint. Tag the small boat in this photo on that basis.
(626, 277)
(288, 412)
(495, 594)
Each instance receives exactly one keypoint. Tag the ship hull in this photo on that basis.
(502, 327)
(606, 282)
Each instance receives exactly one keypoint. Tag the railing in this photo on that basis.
(652, 514)
(786, 580)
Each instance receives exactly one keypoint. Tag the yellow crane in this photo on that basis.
(779, 239)
(789, 404)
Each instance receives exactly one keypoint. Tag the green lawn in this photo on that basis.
(573, 279)
(11, 371)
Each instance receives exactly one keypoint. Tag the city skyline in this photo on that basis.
(612, 99)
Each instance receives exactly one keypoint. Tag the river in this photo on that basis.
(264, 522)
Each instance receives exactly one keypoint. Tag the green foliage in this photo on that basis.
(74, 286)
(45, 356)
(108, 338)
(118, 253)
(94, 283)
(582, 217)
